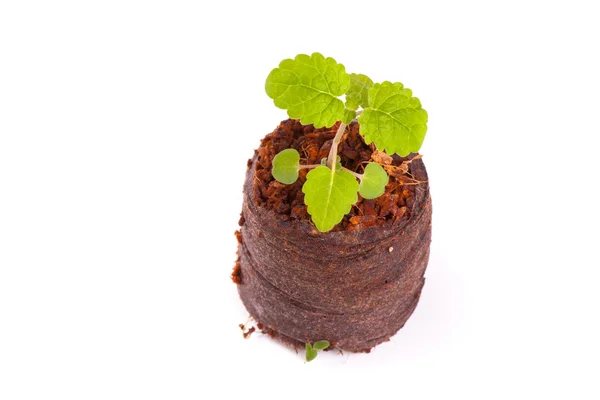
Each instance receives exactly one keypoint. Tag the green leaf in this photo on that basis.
(286, 165)
(373, 182)
(308, 87)
(329, 196)
(311, 353)
(321, 345)
(348, 116)
(395, 120)
(357, 95)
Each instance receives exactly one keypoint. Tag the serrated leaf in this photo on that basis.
(311, 353)
(321, 345)
(373, 182)
(308, 87)
(286, 165)
(395, 120)
(329, 196)
(358, 93)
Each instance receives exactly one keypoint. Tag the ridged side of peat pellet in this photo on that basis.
(354, 288)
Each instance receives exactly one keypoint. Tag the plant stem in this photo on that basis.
(356, 174)
(309, 166)
(332, 157)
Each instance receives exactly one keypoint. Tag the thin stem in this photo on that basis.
(332, 158)
(309, 166)
(356, 174)
(357, 115)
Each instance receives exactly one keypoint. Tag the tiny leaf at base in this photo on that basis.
(321, 345)
(311, 353)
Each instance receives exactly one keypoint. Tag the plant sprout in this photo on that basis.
(309, 87)
(311, 350)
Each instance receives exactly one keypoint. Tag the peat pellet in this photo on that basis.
(353, 287)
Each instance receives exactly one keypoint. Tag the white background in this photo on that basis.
(124, 133)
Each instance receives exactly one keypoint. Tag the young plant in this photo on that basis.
(311, 350)
(309, 88)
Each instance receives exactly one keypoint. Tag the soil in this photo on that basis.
(314, 145)
(356, 285)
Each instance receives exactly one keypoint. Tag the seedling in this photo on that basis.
(311, 350)
(309, 88)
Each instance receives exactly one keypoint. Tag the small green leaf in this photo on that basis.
(308, 88)
(348, 116)
(373, 182)
(286, 165)
(311, 353)
(321, 345)
(358, 94)
(395, 121)
(329, 196)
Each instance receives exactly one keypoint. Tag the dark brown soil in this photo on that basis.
(354, 286)
(314, 145)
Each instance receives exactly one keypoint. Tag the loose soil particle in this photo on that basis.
(356, 285)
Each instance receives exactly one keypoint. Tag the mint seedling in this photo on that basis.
(311, 350)
(309, 87)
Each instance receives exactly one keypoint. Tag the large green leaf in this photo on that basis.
(395, 121)
(286, 165)
(329, 196)
(308, 87)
